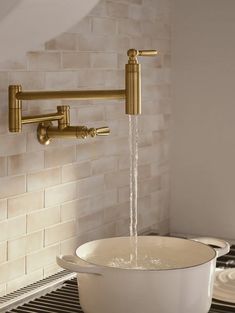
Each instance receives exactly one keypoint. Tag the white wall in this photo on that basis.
(203, 132)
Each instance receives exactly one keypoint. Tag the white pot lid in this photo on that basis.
(224, 286)
(153, 253)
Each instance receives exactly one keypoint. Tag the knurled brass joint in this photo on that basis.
(15, 109)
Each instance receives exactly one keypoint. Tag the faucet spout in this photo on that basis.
(133, 80)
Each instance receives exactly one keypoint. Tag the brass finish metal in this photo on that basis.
(46, 131)
(15, 109)
(42, 118)
(65, 111)
(42, 133)
(133, 80)
(71, 94)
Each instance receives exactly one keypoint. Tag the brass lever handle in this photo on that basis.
(101, 131)
(147, 53)
(133, 53)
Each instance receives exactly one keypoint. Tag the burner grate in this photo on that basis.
(62, 300)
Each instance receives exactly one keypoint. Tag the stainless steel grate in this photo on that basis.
(62, 300)
(34, 290)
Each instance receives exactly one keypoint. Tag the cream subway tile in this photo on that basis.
(103, 43)
(14, 65)
(34, 241)
(12, 270)
(43, 218)
(12, 185)
(3, 209)
(122, 227)
(3, 252)
(144, 188)
(44, 61)
(101, 26)
(65, 41)
(90, 222)
(29, 80)
(16, 248)
(124, 162)
(146, 155)
(57, 233)
(51, 269)
(136, 13)
(73, 60)
(12, 144)
(69, 210)
(23, 281)
(4, 81)
(69, 246)
(43, 179)
(90, 151)
(3, 166)
(104, 231)
(99, 10)
(90, 186)
(27, 244)
(73, 172)
(86, 206)
(41, 258)
(26, 162)
(92, 113)
(106, 164)
(25, 203)
(123, 194)
(144, 172)
(61, 80)
(146, 220)
(83, 26)
(144, 204)
(4, 230)
(16, 227)
(117, 9)
(114, 112)
(114, 213)
(60, 156)
(3, 289)
(104, 60)
(138, 2)
(116, 179)
(91, 78)
(129, 27)
(116, 146)
(60, 194)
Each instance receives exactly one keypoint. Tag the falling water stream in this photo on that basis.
(133, 145)
(135, 261)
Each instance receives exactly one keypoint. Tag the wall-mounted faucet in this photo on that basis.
(46, 131)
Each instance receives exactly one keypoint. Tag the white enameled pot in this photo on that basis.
(173, 275)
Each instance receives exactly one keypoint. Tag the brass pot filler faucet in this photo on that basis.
(46, 131)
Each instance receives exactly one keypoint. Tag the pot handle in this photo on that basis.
(77, 265)
(222, 246)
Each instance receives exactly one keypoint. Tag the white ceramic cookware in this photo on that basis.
(172, 275)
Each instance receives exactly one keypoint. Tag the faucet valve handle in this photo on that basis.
(133, 53)
(147, 53)
(101, 131)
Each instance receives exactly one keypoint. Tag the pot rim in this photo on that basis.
(146, 269)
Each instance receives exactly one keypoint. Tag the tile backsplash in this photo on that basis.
(55, 197)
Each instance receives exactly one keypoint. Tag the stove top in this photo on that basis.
(65, 298)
